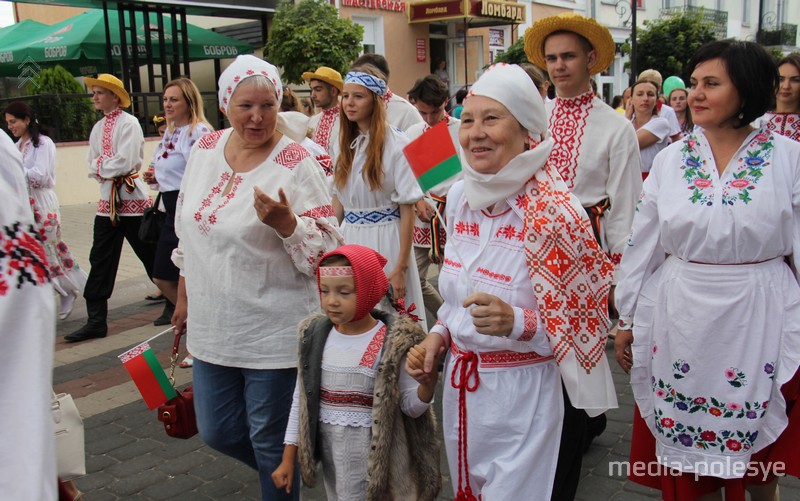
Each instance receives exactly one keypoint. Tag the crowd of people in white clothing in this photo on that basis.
(295, 255)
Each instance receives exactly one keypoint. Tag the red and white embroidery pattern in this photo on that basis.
(388, 96)
(785, 124)
(216, 191)
(129, 207)
(510, 232)
(493, 275)
(319, 212)
(570, 274)
(292, 155)
(326, 163)
(531, 323)
(468, 229)
(108, 138)
(450, 262)
(22, 258)
(504, 358)
(421, 236)
(209, 141)
(322, 134)
(373, 349)
(567, 123)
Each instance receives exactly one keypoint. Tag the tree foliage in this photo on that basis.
(515, 54)
(666, 44)
(70, 117)
(310, 34)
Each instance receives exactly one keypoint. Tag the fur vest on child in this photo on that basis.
(404, 456)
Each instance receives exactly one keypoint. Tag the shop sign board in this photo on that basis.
(389, 5)
(508, 11)
(428, 11)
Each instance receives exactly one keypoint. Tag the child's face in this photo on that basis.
(338, 298)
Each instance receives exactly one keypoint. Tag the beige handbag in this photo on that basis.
(69, 437)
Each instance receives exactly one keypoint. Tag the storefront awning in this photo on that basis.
(477, 13)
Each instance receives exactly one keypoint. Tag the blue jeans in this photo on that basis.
(242, 413)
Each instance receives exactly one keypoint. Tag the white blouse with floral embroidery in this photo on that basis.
(247, 287)
(715, 308)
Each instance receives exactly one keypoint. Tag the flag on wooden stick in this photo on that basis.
(149, 376)
(433, 157)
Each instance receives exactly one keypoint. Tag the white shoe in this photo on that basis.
(67, 302)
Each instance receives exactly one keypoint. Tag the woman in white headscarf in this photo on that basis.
(253, 218)
(525, 289)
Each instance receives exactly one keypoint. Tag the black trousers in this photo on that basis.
(570, 452)
(106, 251)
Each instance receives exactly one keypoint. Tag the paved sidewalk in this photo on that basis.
(130, 457)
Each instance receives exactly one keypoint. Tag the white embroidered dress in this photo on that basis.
(40, 171)
(349, 364)
(116, 149)
(716, 309)
(515, 415)
(27, 316)
(597, 155)
(372, 218)
(247, 287)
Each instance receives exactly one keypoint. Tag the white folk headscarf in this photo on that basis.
(244, 67)
(510, 85)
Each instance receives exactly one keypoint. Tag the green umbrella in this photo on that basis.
(13, 35)
(79, 43)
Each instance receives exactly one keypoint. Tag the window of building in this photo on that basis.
(746, 12)
(373, 34)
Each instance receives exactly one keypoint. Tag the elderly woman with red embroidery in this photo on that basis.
(709, 286)
(253, 218)
(520, 250)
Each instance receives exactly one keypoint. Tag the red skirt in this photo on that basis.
(676, 486)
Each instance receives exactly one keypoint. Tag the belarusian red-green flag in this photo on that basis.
(433, 156)
(146, 372)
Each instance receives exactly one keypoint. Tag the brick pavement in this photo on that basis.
(130, 457)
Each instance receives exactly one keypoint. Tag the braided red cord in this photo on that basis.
(466, 368)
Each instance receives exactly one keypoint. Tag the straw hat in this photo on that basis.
(597, 34)
(111, 83)
(327, 75)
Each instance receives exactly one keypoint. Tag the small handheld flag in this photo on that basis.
(433, 157)
(149, 376)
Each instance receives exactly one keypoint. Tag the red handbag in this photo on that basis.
(177, 413)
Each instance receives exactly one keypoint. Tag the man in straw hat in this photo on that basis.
(597, 155)
(116, 148)
(326, 87)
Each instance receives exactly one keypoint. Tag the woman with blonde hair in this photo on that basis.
(374, 189)
(186, 123)
(652, 131)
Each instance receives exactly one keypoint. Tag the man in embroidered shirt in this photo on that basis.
(399, 113)
(597, 155)
(326, 87)
(429, 96)
(116, 148)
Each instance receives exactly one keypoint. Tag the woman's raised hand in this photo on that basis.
(275, 213)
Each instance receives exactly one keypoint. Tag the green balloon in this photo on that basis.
(672, 83)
